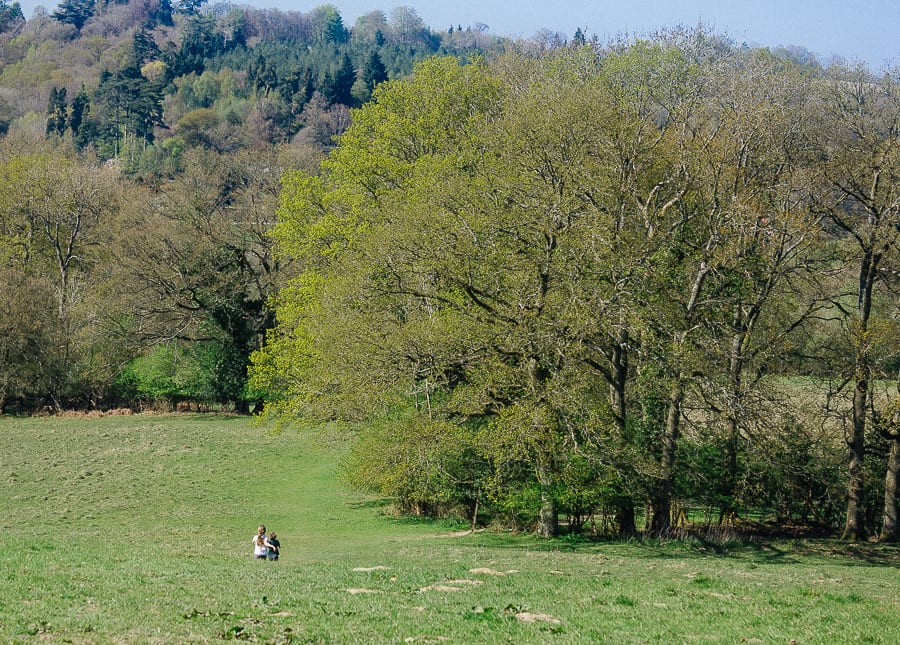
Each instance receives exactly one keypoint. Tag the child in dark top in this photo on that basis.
(274, 546)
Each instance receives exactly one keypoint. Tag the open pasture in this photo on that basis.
(137, 530)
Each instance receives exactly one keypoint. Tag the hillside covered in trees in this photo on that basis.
(142, 152)
(554, 278)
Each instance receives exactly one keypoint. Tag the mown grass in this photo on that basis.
(137, 530)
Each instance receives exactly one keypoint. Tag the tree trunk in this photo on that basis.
(625, 515)
(619, 372)
(548, 521)
(890, 532)
(727, 507)
(856, 443)
(732, 427)
(661, 521)
(625, 518)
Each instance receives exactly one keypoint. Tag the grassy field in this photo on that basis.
(137, 530)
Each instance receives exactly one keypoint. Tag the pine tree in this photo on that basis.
(374, 71)
(75, 12)
(144, 47)
(80, 106)
(57, 112)
(579, 38)
(339, 84)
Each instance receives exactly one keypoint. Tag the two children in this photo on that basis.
(265, 547)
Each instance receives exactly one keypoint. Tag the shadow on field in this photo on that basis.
(781, 552)
(852, 553)
(786, 552)
(370, 503)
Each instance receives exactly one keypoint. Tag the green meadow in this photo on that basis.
(137, 530)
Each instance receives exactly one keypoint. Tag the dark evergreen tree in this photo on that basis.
(374, 71)
(161, 14)
(10, 16)
(199, 42)
(338, 85)
(6, 116)
(329, 25)
(144, 48)
(75, 12)
(130, 104)
(57, 112)
(265, 76)
(80, 106)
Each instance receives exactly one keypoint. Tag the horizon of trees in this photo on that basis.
(555, 278)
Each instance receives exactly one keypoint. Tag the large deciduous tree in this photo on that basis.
(751, 176)
(861, 197)
(55, 213)
(196, 262)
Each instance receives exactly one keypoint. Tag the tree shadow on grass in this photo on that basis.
(850, 553)
(761, 551)
(370, 503)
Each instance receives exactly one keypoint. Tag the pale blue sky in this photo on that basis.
(867, 30)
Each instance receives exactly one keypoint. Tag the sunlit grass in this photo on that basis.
(137, 530)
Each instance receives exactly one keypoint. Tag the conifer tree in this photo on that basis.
(57, 112)
(75, 12)
(10, 16)
(374, 71)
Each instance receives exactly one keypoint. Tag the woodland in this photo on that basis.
(556, 284)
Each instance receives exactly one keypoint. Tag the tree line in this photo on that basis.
(603, 284)
(617, 282)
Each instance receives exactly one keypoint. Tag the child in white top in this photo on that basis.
(260, 543)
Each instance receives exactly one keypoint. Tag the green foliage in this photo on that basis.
(196, 126)
(429, 467)
(576, 243)
(292, 55)
(55, 215)
(595, 255)
(172, 373)
(27, 331)
(800, 478)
